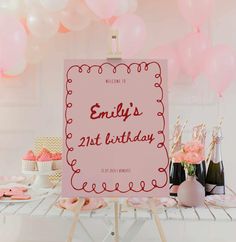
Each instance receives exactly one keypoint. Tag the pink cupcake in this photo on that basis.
(29, 161)
(44, 161)
(57, 161)
(44, 150)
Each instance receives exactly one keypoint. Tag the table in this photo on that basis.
(98, 225)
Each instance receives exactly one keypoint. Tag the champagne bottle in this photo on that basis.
(215, 180)
(177, 173)
(199, 134)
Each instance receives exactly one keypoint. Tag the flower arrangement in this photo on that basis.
(191, 154)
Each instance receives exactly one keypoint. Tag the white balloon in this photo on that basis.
(76, 16)
(126, 6)
(122, 8)
(12, 6)
(32, 4)
(42, 24)
(54, 5)
(35, 51)
(18, 69)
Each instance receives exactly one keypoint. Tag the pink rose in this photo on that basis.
(178, 157)
(193, 146)
(193, 158)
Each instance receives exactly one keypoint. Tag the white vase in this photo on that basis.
(191, 193)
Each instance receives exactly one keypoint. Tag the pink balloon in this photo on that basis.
(220, 67)
(195, 11)
(132, 34)
(13, 41)
(103, 8)
(192, 51)
(168, 52)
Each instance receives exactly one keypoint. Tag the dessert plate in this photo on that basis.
(91, 204)
(143, 203)
(33, 193)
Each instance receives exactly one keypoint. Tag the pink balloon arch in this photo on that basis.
(42, 19)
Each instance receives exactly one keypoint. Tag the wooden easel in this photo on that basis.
(75, 219)
(157, 220)
(114, 53)
(116, 216)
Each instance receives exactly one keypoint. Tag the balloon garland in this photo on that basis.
(25, 26)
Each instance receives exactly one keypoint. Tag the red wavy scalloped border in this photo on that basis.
(68, 121)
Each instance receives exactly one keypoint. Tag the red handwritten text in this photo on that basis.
(128, 137)
(88, 141)
(118, 112)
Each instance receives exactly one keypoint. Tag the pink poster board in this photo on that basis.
(115, 129)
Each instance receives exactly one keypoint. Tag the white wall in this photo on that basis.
(31, 105)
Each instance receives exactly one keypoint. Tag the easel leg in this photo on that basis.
(75, 220)
(116, 209)
(157, 220)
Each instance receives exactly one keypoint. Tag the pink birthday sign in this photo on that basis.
(115, 128)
